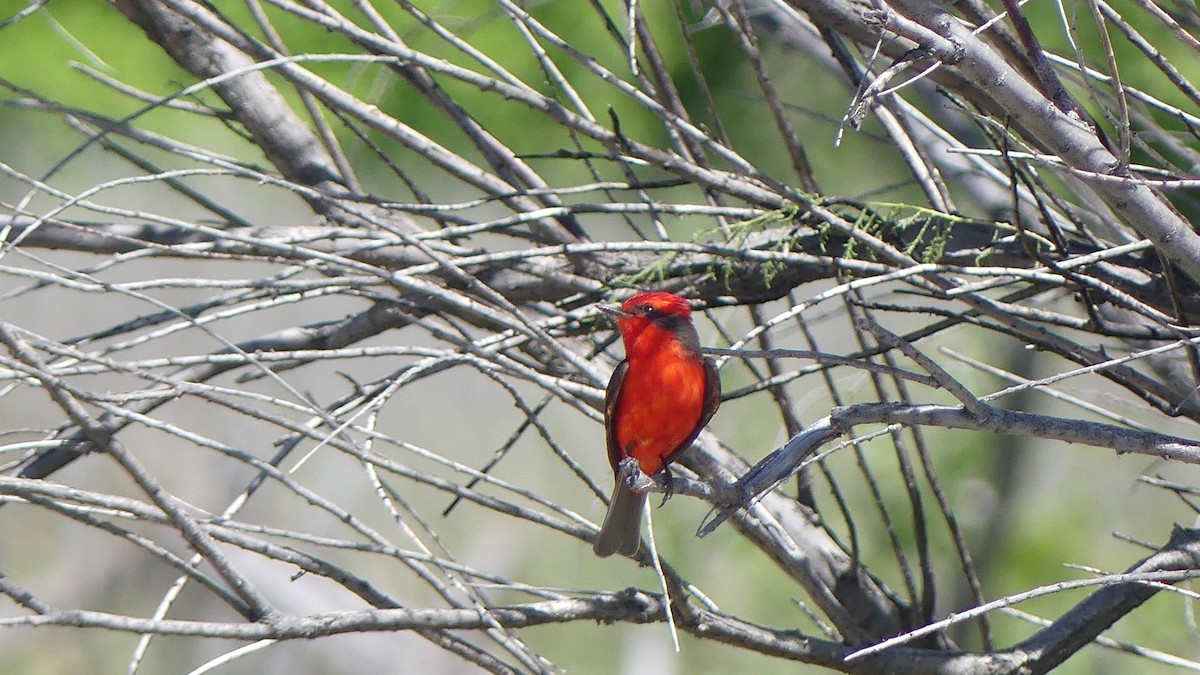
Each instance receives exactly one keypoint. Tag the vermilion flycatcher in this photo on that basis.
(658, 400)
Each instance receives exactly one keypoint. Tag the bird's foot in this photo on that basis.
(665, 480)
(630, 471)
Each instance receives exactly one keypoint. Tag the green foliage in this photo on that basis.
(656, 272)
(920, 232)
(735, 236)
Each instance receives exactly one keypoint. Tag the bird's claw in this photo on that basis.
(630, 471)
(665, 481)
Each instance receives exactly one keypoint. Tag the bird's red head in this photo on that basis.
(653, 310)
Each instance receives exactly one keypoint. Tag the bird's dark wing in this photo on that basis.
(610, 408)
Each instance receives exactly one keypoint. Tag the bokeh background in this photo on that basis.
(1026, 508)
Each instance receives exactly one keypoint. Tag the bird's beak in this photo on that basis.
(614, 311)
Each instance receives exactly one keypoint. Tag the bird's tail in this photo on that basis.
(622, 529)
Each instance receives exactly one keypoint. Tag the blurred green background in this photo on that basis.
(1026, 508)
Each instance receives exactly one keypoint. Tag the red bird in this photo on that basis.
(658, 400)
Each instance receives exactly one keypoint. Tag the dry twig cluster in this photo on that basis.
(1055, 216)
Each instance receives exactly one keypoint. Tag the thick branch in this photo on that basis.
(1068, 137)
(1086, 621)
